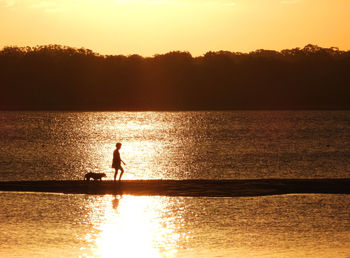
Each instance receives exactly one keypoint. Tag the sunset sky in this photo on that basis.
(148, 27)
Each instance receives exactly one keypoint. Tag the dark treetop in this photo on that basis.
(62, 78)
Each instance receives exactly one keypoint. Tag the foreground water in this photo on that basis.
(174, 145)
(54, 225)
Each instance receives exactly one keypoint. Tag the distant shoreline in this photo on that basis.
(174, 110)
(208, 188)
(55, 77)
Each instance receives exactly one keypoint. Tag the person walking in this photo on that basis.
(116, 164)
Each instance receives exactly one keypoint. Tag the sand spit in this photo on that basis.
(214, 188)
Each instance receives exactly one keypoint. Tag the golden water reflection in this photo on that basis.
(154, 144)
(129, 226)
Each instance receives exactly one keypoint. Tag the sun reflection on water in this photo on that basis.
(129, 226)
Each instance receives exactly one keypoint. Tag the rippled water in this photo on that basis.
(176, 145)
(55, 225)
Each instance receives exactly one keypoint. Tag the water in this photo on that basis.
(57, 225)
(174, 145)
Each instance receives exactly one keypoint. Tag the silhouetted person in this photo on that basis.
(116, 164)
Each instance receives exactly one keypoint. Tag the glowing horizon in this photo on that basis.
(148, 27)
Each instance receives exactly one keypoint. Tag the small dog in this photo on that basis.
(95, 176)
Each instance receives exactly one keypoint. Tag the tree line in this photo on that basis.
(55, 77)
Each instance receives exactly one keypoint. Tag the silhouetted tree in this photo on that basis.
(60, 77)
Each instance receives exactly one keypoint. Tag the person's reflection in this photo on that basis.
(115, 201)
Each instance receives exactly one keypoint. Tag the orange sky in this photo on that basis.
(148, 27)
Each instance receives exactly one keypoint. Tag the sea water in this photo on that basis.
(174, 145)
(65, 225)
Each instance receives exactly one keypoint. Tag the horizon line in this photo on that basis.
(173, 51)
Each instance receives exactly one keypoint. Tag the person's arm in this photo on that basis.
(122, 162)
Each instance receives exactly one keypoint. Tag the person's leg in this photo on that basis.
(115, 174)
(121, 172)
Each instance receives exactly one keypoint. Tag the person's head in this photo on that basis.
(118, 145)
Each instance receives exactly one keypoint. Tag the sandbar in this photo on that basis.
(210, 188)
